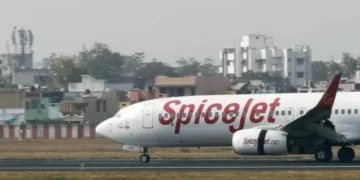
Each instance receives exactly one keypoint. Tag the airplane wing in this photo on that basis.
(310, 122)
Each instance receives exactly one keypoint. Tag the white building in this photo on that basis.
(97, 85)
(259, 54)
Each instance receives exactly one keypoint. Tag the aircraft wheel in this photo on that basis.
(346, 154)
(144, 158)
(323, 155)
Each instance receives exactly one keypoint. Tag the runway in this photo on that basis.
(175, 165)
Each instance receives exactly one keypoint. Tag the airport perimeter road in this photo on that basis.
(174, 165)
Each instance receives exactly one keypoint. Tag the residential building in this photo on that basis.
(190, 85)
(258, 53)
(42, 106)
(12, 98)
(97, 85)
(138, 95)
(89, 108)
(25, 78)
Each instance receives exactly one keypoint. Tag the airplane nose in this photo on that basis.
(101, 128)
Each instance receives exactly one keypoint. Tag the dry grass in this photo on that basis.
(103, 148)
(316, 175)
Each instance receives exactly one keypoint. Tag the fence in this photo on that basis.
(73, 131)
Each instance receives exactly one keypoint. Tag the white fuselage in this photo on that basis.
(167, 122)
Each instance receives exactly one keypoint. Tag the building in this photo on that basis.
(12, 98)
(43, 106)
(25, 78)
(89, 108)
(190, 85)
(97, 85)
(258, 53)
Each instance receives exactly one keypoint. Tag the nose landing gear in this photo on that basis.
(145, 157)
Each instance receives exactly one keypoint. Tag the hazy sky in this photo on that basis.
(169, 29)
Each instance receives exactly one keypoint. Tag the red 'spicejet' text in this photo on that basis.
(257, 113)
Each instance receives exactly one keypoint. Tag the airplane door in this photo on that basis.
(145, 133)
(301, 111)
(289, 114)
(148, 116)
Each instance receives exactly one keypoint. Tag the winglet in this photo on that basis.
(327, 100)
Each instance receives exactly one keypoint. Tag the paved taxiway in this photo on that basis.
(175, 165)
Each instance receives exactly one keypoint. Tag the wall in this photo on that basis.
(29, 77)
(87, 82)
(211, 85)
(97, 85)
(12, 99)
(8, 114)
(95, 114)
(75, 131)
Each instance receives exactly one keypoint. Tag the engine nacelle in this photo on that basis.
(261, 142)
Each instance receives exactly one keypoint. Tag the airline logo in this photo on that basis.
(254, 142)
(328, 100)
(257, 113)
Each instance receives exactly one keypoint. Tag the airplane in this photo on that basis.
(253, 124)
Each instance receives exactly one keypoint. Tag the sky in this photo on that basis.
(170, 29)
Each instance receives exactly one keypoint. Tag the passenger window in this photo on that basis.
(184, 115)
(237, 113)
(355, 111)
(166, 115)
(203, 114)
(283, 113)
(276, 113)
(342, 111)
(349, 111)
(216, 114)
(289, 112)
(336, 111)
(301, 112)
(210, 114)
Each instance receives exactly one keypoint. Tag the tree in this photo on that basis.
(319, 71)
(207, 68)
(333, 68)
(150, 70)
(101, 63)
(133, 63)
(192, 67)
(349, 65)
(65, 69)
(188, 67)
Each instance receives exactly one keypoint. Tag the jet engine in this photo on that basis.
(261, 142)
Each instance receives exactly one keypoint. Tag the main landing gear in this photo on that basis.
(324, 154)
(145, 157)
